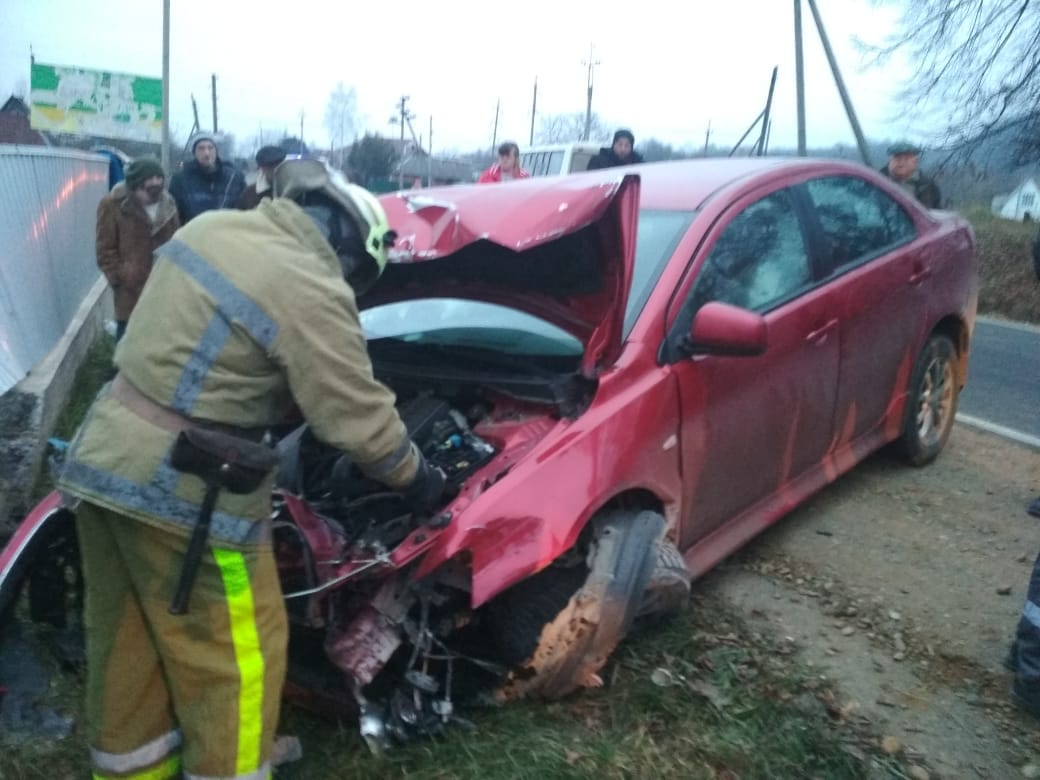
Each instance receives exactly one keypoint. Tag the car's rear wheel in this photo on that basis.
(48, 575)
(559, 627)
(931, 404)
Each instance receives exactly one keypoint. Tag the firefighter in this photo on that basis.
(245, 313)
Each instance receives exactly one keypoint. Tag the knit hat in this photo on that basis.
(624, 134)
(202, 135)
(141, 170)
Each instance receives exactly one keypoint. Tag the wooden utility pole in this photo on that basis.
(214, 82)
(494, 133)
(840, 84)
(799, 76)
(707, 135)
(765, 114)
(404, 116)
(534, 108)
(591, 63)
(429, 157)
(165, 154)
(301, 132)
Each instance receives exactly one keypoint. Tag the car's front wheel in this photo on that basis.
(931, 404)
(558, 628)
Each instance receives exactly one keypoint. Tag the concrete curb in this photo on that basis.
(30, 409)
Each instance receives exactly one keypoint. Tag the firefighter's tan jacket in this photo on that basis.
(244, 313)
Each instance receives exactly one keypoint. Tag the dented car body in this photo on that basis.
(626, 375)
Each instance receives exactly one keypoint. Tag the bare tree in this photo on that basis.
(977, 64)
(341, 119)
(563, 128)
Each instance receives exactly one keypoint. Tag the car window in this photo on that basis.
(580, 161)
(555, 163)
(760, 258)
(858, 220)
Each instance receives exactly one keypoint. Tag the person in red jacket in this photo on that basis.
(508, 166)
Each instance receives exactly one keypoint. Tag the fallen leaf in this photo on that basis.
(662, 677)
(709, 692)
(572, 757)
(891, 745)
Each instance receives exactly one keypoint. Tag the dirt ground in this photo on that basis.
(904, 586)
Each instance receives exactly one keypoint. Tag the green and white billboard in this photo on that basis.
(92, 102)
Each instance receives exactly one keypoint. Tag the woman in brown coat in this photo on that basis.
(134, 219)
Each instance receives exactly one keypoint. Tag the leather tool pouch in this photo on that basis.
(229, 462)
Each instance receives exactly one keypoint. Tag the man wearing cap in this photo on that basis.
(267, 159)
(206, 182)
(620, 152)
(248, 314)
(903, 159)
(134, 219)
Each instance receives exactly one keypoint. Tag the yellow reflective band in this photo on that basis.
(246, 642)
(167, 770)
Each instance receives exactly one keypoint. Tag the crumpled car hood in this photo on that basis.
(559, 248)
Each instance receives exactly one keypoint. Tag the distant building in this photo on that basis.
(1022, 204)
(14, 124)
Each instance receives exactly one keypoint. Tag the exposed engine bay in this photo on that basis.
(367, 510)
(350, 611)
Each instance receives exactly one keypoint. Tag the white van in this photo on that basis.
(558, 159)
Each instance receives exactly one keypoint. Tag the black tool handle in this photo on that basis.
(193, 556)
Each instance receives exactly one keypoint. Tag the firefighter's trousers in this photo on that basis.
(196, 694)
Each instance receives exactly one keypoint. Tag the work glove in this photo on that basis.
(427, 488)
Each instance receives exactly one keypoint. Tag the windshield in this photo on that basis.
(464, 323)
(658, 234)
(457, 322)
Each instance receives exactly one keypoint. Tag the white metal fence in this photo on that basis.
(48, 209)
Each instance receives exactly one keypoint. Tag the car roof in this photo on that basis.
(688, 184)
(682, 185)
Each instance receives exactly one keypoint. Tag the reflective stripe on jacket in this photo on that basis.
(246, 313)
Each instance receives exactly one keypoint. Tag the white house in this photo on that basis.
(1023, 203)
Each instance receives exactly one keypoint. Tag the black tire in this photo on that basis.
(668, 589)
(49, 570)
(931, 403)
(564, 640)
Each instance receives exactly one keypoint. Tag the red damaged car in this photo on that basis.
(626, 375)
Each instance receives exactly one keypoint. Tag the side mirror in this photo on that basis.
(721, 329)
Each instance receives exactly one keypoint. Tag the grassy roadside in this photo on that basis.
(1008, 286)
(702, 697)
(90, 376)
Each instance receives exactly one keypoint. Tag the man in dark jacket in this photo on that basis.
(133, 220)
(620, 152)
(903, 159)
(267, 159)
(206, 182)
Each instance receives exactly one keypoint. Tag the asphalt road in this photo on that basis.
(1003, 389)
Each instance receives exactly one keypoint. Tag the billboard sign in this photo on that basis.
(98, 103)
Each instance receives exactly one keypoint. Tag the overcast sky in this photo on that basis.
(664, 73)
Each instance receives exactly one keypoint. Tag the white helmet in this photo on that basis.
(296, 178)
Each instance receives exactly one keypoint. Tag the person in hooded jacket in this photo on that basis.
(133, 220)
(206, 182)
(620, 152)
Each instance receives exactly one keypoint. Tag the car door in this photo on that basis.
(750, 425)
(880, 276)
